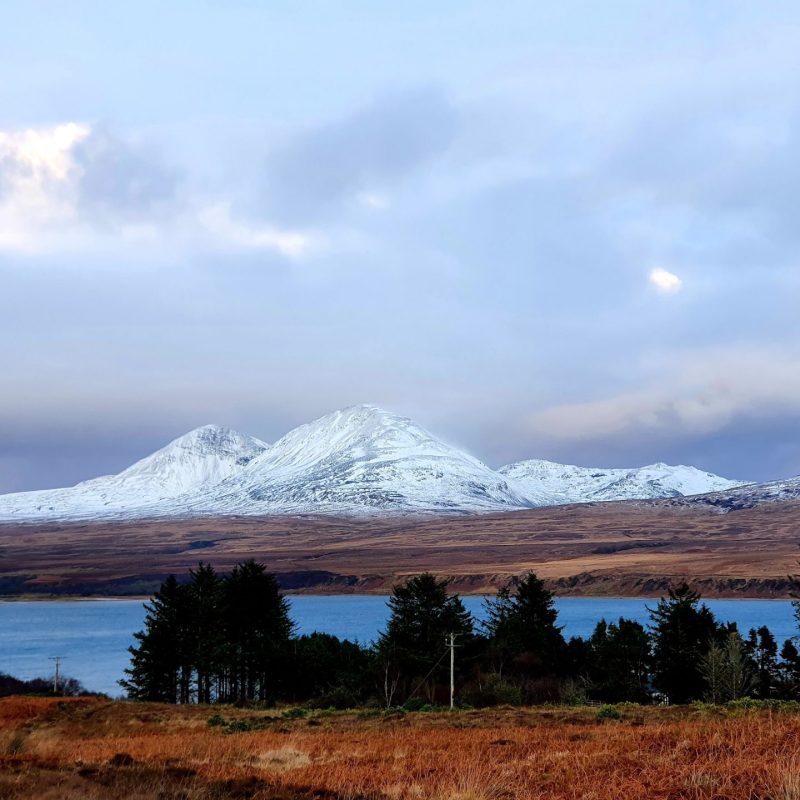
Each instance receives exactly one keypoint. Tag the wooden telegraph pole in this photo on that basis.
(451, 643)
(57, 659)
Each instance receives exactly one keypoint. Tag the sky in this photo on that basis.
(556, 230)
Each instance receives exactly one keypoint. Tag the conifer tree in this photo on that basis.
(789, 671)
(256, 629)
(619, 661)
(522, 631)
(762, 649)
(412, 649)
(159, 668)
(204, 629)
(682, 633)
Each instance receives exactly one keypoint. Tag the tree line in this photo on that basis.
(230, 639)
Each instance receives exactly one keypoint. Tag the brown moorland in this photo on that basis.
(603, 548)
(96, 749)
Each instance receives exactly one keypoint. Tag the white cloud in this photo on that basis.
(697, 394)
(665, 282)
(218, 221)
(70, 187)
(38, 178)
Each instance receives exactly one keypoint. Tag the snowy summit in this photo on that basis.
(359, 460)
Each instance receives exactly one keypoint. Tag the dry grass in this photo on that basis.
(99, 749)
(617, 549)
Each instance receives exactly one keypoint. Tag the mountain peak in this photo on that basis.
(555, 484)
(359, 430)
(360, 459)
(364, 458)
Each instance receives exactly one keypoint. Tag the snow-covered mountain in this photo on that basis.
(748, 495)
(557, 484)
(360, 460)
(363, 459)
(158, 484)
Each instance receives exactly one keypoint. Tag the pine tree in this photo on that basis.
(789, 671)
(160, 661)
(619, 661)
(682, 633)
(412, 649)
(522, 631)
(256, 630)
(762, 649)
(204, 629)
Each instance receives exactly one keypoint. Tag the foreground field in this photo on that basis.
(616, 549)
(93, 749)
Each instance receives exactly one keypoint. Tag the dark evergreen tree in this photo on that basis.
(204, 633)
(329, 670)
(620, 654)
(160, 660)
(682, 632)
(789, 671)
(523, 638)
(762, 649)
(255, 629)
(411, 652)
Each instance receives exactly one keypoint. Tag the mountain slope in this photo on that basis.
(362, 459)
(155, 484)
(749, 495)
(557, 484)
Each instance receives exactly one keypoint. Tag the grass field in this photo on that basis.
(94, 749)
(612, 549)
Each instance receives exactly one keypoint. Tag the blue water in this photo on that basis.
(93, 636)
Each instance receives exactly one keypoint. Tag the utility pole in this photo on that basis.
(57, 659)
(451, 643)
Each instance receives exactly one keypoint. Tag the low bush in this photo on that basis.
(608, 712)
(339, 698)
(493, 690)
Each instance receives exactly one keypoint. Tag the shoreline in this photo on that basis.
(42, 598)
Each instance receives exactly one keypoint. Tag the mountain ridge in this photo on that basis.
(355, 461)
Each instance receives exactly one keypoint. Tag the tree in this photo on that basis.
(256, 629)
(203, 635)
(728, 670)
(522, 631)
(619, 655)
(682, 633)
(762, 649)
(323, 666)
(159, 661)
(411, 651)
(789, 670)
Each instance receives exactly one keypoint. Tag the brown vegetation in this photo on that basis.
(604, 548)
(96, 749)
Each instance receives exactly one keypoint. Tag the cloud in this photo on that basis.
(75, 188)
(118, 180)
(665, 282)
(354, 156)
(38, 178)
(697, 394)
(218, 221)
